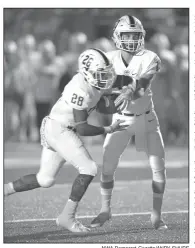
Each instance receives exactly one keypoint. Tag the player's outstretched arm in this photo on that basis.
(125, 88)
(142, 85)
(85, 129)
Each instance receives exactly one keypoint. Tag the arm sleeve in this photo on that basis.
(153, 67)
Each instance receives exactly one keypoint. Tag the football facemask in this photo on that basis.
(131, 41)
(103, 78)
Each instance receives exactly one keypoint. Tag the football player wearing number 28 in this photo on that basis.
(137, 65)
(60, 135)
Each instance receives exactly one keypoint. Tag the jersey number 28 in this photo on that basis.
(77, 99)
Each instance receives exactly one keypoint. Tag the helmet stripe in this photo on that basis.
(131, 21)
(103, 55)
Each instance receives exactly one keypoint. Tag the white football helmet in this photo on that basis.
(96, 69)
(128, 34)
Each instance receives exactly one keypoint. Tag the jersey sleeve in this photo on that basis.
(77, 99)
(152, 65)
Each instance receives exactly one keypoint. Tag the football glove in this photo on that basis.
(123, 96)
(115, 127)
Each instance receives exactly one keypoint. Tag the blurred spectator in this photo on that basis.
(62, 44)
(182, 87)
(168, 102)
(26, 45)
(47, 80)
(104, 44)
(10, 53)
(77, 44)
(25, 79)
(19, 81)
(11, 106)
(27, 75)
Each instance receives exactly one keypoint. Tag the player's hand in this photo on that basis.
(122, 100)
(126, 95)
(115, 127)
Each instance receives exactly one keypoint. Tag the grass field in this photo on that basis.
(29, 217)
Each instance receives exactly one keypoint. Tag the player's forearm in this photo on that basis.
(138, 93)
(89, 130)
(143, 84)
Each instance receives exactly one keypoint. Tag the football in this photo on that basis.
(106, 105)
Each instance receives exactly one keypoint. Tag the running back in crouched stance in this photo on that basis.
(60, 132)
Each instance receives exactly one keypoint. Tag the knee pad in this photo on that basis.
(159, 176)
(158, 169)
(89, 169)
(45, 181)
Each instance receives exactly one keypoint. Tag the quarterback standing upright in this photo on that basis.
(135, 68)
(60, 132)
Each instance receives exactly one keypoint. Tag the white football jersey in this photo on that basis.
(77, 94)
(144, 63)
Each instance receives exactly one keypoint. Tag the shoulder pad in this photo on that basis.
(151, 63)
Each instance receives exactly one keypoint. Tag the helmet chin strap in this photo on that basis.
(120, 47)
(125, 50)
(129, 52)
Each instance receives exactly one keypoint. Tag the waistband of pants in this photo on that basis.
(126, 114)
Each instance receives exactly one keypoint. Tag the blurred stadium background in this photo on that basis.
(41, 47)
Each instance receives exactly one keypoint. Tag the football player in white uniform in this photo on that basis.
(135, 68)
(60, 134)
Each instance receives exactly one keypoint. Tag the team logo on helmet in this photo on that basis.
(97, 69)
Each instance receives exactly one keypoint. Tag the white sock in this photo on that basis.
(106, 195)
(69, 210)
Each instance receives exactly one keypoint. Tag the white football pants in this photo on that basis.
(65, 146)
(116, 143)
